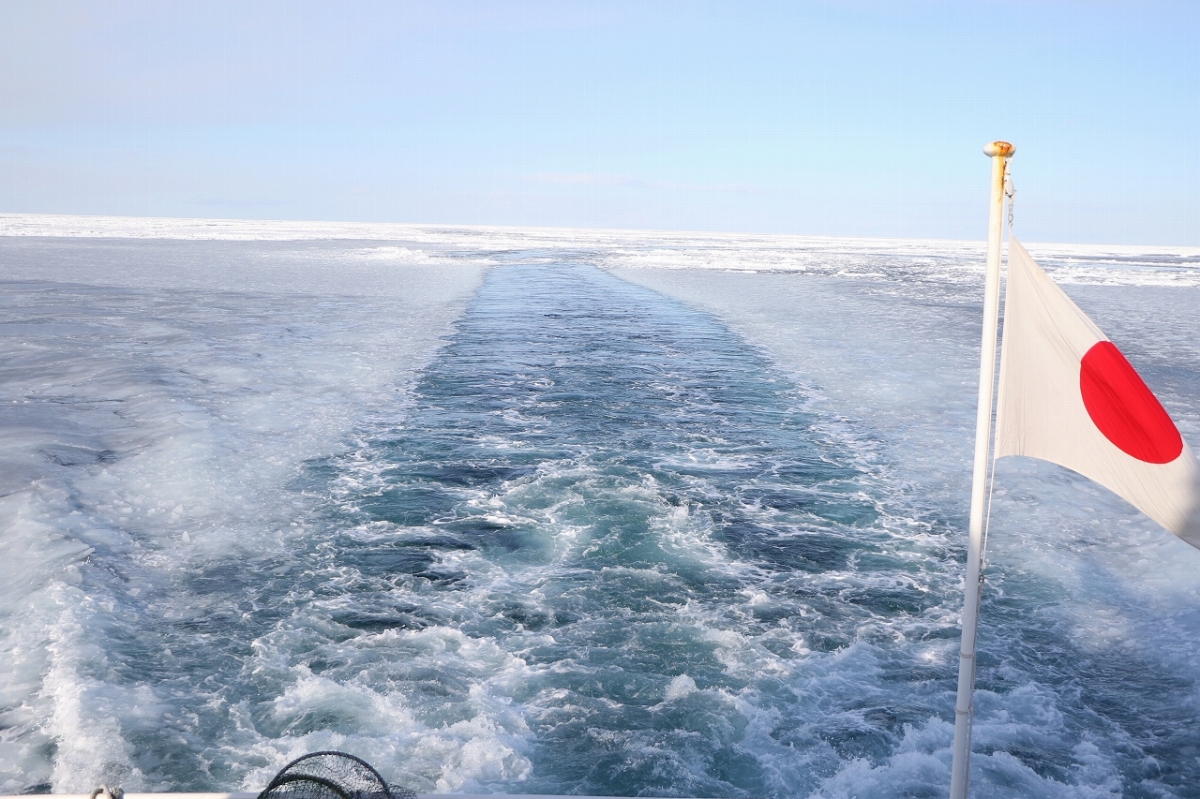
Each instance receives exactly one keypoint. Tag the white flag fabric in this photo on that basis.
(1068, 396)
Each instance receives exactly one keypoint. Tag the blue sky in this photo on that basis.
(839, 118)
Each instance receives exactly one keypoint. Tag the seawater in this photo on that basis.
(601, 544)
(648, 532)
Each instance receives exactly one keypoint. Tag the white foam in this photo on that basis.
(157, 409)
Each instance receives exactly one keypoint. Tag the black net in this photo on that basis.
(331, 775)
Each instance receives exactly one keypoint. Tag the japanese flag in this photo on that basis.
(1068, 396)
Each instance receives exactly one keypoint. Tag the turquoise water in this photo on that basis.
(622, 495)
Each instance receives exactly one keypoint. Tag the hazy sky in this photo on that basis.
(845, 118)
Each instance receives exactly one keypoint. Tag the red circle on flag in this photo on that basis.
(1124, 408)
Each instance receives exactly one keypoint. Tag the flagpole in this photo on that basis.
(999, 152)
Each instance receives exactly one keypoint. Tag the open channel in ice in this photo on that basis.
(610, 550)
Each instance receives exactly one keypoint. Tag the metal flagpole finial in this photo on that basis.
(999, 148)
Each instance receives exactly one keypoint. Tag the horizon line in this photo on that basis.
(8, 232)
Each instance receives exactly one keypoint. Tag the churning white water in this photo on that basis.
(536, 511)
